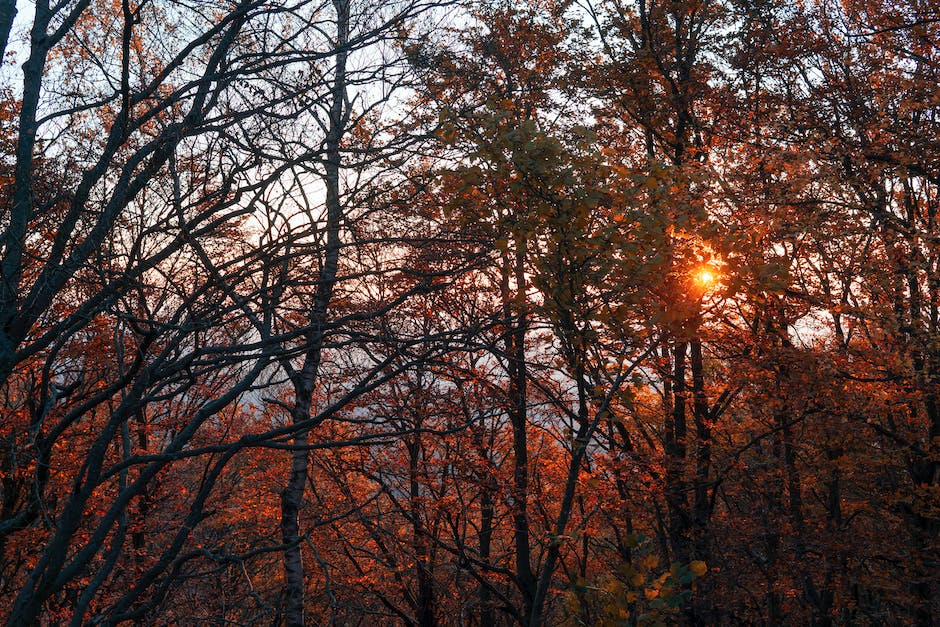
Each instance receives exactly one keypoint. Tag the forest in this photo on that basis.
(476, 313)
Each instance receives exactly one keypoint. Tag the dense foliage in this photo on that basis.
(615, 312)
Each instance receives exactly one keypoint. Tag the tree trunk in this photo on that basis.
(515, 316)
(676, 449)
(304, 380)
(701, 510)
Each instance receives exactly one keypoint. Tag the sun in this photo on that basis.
(705, 277)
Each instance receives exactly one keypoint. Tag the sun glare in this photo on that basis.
(705, 277)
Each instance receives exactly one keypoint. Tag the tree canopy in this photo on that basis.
(514, 312)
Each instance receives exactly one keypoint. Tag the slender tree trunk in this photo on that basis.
(701, 509)
(798, 520)
(487, 611)
(304, 380)
(425, 597)
(925, 526)
(535, 613)
(7, 15)
(488, 489)
(138, 539)
(676, 449)
(515, 316)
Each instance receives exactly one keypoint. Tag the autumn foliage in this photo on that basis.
(535, 312)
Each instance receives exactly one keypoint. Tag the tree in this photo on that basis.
(132, 232)
(522, 312)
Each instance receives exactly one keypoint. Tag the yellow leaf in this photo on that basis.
(698, 568)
